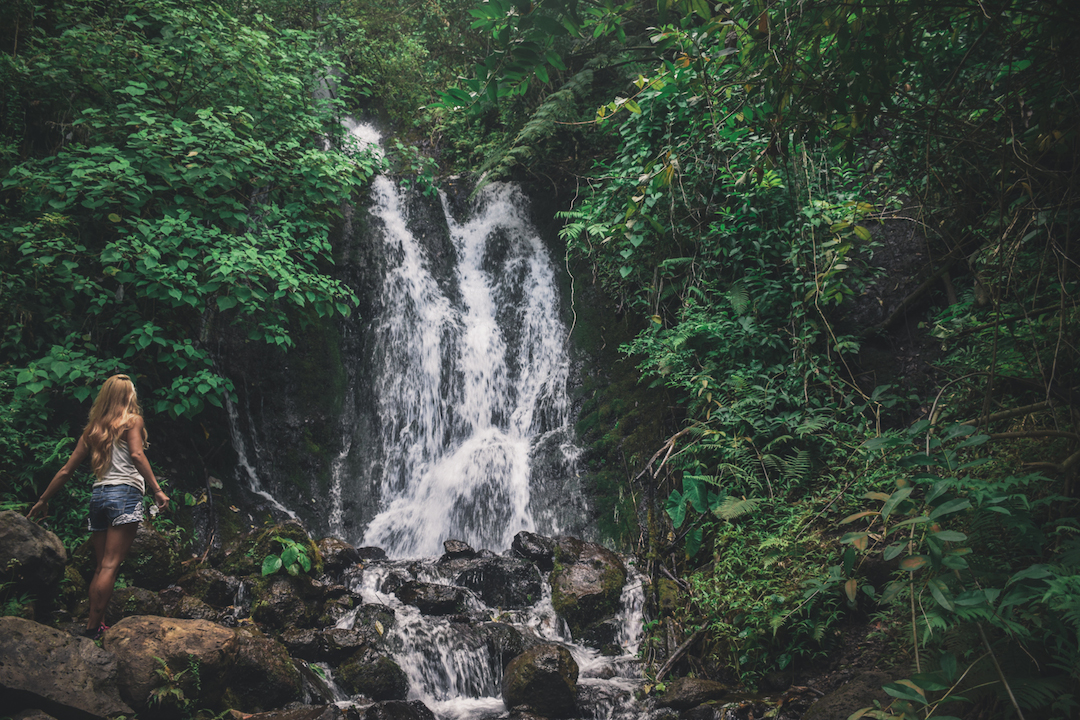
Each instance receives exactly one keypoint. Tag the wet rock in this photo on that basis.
(64, 675)
(304, 712)
(375, 675)
(262, 675)
(457, 550)
(432, 598)
(586, 584)
(603, 636)
(153, 561)
(542, 679)
(504, 641)
(859, 692)
(129, 601)
(371, 553)
(502, 582)
(331, 645)
(535, 548)
(215, 667)
(398, 710)
(337, 555)
(279, 603)
(686, 693)
(192, 608)
(211, 586)
(34, 558)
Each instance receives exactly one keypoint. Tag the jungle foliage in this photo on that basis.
(166, 172)
(744, 161)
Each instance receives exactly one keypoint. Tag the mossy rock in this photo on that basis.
(374, 675)
(247, 558)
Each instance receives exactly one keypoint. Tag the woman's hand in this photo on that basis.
(161, 500)
(40, 508)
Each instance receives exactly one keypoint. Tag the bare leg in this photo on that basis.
(111, 548)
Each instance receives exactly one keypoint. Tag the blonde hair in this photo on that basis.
(112, 414)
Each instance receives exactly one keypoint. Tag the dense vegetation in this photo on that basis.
(849, 440)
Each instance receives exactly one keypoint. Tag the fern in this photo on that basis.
(733, 507)
(739, 298)
(540, 126)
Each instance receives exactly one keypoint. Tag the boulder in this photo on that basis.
(213, 666)
(262, 675)
(502, 582)
(192, 608)
(586, 583)
(375, 675)
(331, 645)
(371, 553)
(304, 712)
(34, 558)
(279, 603)
(398, 710)
(132, 601)
(432, 598)
(535, 548)
(153, 561)
(211, 586)
(543, 679)
(337, 555)
(457, 550)
(686, 693)
(504, 641)
(603, 636)
(61, 674)
(859, 692)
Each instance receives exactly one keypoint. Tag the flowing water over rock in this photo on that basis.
(455, 662)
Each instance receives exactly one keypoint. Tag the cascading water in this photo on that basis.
(469, 362)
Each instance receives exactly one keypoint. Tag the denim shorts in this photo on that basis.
(114, 505)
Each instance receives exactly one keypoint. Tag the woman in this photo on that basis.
(114, 438)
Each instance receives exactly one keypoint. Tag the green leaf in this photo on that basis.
(271, 564)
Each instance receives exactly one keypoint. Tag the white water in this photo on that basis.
(472, 378)
(459, 678)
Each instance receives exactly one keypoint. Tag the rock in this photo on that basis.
(603, 636)
(432, 598)
(504, 641)
(371, 553)
(192, 608)
(535, 548)
(262, 675)
(211, 586)
(398, 710)
(32, 715)
(246, 556)
(34, 558)
(375, 675)
(221, 667)
(544, 680)
(132, 601)
(686, 693)
(331, 645)
(337, 555)
(64, 675)
(457, 550)
(279, 604)
(153, 561)
(586, 584)
(502, 582)
(304, 712)
(859, 692)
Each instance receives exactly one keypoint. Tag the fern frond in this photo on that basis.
(733, 507)
(739, 298)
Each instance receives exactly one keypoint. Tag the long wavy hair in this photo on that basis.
(111, 416)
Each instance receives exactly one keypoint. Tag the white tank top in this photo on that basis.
(122, 471)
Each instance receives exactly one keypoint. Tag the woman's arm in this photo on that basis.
(138, 459)
(41, 507)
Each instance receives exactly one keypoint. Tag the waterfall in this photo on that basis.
(468, 365)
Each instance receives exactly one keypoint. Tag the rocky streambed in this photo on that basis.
(547, 629)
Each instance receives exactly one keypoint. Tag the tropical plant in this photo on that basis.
(293, 558)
